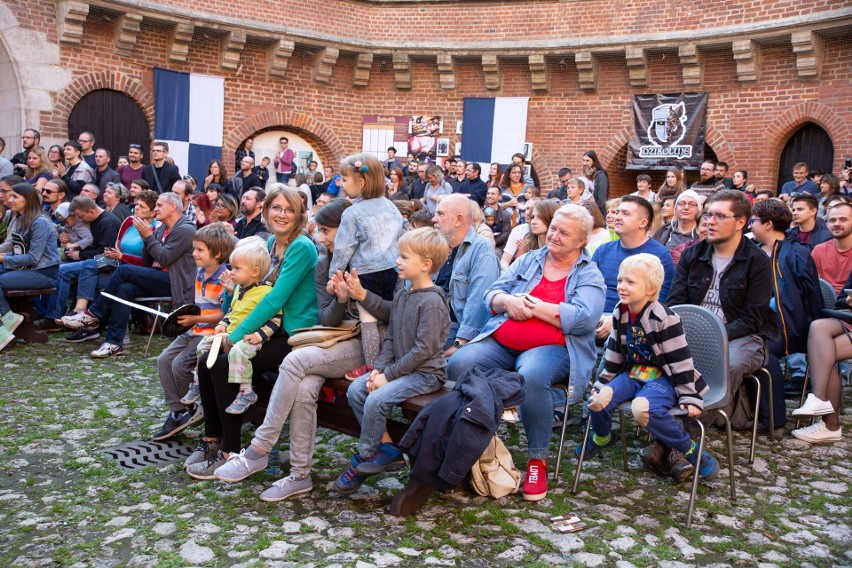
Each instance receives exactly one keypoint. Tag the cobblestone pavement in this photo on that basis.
(65, 503)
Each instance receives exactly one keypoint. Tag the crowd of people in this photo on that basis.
(449, 277)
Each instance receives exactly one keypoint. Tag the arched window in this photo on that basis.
(810, 144)
(114, 118)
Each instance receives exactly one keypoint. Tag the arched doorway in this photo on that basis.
(810, 144)
(114, 118)
(266, 145)
(11, 127)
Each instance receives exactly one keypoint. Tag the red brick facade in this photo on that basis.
(749, 122)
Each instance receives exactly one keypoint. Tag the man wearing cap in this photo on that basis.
(684, 227)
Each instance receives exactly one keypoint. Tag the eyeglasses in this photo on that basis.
(278, 210)
(718, 216)
(754, 220)
(47, 191)
(687, 205)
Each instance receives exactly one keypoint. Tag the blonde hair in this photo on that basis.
(368, 168)
(612, 204)
(648, 268)
(253, 251)
(294, 199)
(579, 215)
(427, 243)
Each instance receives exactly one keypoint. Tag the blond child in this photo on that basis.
(250, 263)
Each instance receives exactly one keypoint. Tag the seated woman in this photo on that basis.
(90, 279)
(115, 195)
(540, 216)
(38, 169)
(294, 258)
(303, 373)
(547, 305)
(29, 260)
(225, 210)
(203, 209)
(829, 341)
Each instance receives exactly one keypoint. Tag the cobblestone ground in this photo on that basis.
(62, 502)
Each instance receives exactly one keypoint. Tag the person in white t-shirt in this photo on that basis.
(643, 185)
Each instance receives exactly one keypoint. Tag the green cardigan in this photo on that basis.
(294, 293)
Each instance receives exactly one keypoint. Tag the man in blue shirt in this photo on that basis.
(632, 219)
(800, 181)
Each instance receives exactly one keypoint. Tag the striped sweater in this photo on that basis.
(664, 335)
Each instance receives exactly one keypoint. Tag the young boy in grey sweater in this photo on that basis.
(411, 361)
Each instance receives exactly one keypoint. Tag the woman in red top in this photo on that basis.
(546, 306)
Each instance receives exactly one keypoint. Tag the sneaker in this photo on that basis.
(83, 319)
(242, 402)
(386, 459)
(203, 452)
(679, 467)
(11, 321)
(655, 458)
(592, 447)
(535, 482)
(709, 466)
(350, 481)
(238, 467)
(817, 433)
(6, 337)
(175, 423)
(107, 350)
(204, 470)
(287, 487)
(814, 407)
(558, 418)
(197, 417)
(83, 334)
(48, 325)
(192, 395)
(359, 372)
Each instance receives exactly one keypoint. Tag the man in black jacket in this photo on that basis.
(103, 224)
(243, 179)
(473, 185)
(160, 174)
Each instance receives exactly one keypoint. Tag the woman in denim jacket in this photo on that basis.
(30, 259)
(546, 306)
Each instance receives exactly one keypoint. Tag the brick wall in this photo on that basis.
(747, 124)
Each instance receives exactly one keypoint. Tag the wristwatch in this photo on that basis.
(457, 344)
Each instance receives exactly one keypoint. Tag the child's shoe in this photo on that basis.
(192, 395)
(242, 402)
(6, 337)
(679, 467)
(350, 481)
(535, 482)
(655, 458)
(387, 458)
(360, 371)
(709, 466)
(594, 445)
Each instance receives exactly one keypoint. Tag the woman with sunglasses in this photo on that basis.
(225, 210)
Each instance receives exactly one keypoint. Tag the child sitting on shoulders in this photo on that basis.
(647, 360)
(411, 361)
(250, 263)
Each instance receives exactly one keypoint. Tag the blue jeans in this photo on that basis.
(80, 271)
(282, 178)
(661, 397)
(24, 280)
(128, 282)
(541, 367)
(372, 409)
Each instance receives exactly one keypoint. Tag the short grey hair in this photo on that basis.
(174, 199)
(578, 214)
(93, 188)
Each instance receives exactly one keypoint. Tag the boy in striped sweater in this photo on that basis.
(648, 361)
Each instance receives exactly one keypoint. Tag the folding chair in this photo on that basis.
(708, 342)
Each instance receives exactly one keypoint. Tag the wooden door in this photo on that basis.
(114, 118)
(810, 144)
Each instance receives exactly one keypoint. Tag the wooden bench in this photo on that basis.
(339, 417)
(21, 302)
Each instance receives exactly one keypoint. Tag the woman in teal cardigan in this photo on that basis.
(294, 257)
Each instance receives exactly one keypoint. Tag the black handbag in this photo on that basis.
(105, 263)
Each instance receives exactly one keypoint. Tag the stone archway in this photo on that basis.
(329, 147)
(10, 100)
(68, 97)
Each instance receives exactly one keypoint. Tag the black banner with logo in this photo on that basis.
(670, 131)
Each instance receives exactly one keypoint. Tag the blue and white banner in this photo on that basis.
(190, 116)
(494, 129)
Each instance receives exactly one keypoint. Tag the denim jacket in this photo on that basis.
(41, 249)
(585, 293)
(367, 237)
(474, 271)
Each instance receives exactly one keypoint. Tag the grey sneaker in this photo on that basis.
(197, 417)
(193, 394)
(242, 402)
(204, 470)
(287, 487)
(203, 452)
(238, 467)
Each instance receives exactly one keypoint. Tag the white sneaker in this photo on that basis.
(814, 407)
(79, 320)
(817, 433)
(107, 350)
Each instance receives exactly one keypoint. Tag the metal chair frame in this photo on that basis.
(714, 367)
(158, 303)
